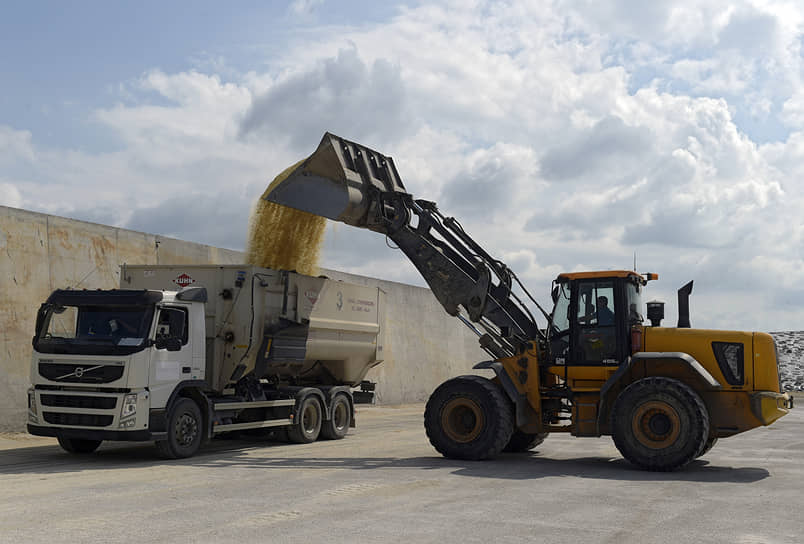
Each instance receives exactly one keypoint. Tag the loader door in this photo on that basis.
(598, 332)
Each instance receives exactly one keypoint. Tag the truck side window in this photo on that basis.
(172, 322)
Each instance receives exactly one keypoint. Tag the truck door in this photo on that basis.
(168, 368)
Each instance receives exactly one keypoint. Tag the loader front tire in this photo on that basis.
(659, 424)
(522, 442)
(468, 417)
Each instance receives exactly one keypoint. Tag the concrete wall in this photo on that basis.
(39, 253)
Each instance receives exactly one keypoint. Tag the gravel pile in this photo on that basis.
(790, 346)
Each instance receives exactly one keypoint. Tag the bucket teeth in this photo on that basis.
(341, 180)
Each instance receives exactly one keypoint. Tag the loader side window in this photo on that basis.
(596, 338)
(560, 331)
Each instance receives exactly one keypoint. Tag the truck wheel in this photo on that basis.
(468, 417)
(79, 445)
(521, 442)
(659, 424)
(337, 427)
(308, 425)
(708, 446)
(184, 430)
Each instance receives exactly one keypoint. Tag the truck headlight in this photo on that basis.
(32, 401)
(129, 406)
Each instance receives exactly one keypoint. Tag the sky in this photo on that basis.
(564, 135)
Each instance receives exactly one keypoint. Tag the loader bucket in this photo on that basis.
(341, 180)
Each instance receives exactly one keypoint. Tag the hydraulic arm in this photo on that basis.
(351, 183)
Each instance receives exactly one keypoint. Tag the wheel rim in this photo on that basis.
(186, 430)
(340, 416)
(462, 420)
(656, 424)
(309, 418)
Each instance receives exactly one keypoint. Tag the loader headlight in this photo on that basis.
(129, 406)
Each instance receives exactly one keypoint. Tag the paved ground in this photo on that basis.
(384, 483)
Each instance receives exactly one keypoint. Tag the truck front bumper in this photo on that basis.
(92, 415)
(768, 406)
(93, 434)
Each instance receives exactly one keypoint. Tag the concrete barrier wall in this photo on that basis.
(39, 253)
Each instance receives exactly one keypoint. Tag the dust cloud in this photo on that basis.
(284, 238)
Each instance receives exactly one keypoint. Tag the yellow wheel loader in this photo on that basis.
(665, 395)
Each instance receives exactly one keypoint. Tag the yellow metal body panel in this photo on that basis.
(524, 373)
(734, 408)
(766, 368)
(768, 406)
(698, 344)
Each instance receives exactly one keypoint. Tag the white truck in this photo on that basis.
(180, 354)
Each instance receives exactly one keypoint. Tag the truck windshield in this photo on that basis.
(92, 329)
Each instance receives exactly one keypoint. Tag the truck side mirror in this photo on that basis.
(170, 343)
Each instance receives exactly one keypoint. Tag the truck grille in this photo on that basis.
(76, 401)
(84, 420)
(81, 373)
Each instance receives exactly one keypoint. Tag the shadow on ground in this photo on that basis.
(44, 460)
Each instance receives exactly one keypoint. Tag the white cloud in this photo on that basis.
(10, 195)
(562, 136)
(15, 145)
(304, 7)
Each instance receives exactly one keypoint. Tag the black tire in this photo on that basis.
(708, 446)
(468, 417)
(78, 445)
(185, 430)
(307, 426)
(337, 427)
(659, 424)
(521, 442)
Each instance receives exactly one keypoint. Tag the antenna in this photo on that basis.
(634, 269)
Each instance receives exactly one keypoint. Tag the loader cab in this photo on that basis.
(593, 316)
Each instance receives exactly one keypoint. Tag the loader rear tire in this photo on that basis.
(708, 446)
(659, 424)
(468, 417)
(521, 442)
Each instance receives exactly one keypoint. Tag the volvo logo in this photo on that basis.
(78, 372)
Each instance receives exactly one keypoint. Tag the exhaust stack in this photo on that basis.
(684, 306)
